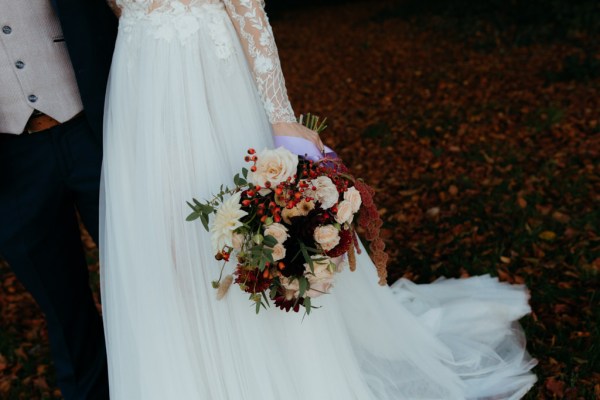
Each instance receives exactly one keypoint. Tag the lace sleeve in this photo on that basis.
(256, 35)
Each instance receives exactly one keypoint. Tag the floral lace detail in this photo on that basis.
(180, 19)
(217, 29)
(257, 37)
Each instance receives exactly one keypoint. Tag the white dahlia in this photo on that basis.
(227, 220)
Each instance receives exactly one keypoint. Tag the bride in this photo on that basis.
(193, 84)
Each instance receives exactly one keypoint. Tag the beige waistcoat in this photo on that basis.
(35, 69)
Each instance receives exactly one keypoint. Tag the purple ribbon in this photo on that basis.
(303, 147)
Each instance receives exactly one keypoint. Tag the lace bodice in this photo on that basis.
(255, 35)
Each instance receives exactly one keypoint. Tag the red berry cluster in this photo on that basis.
(264, 208)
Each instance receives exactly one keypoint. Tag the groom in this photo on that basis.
(54, 61)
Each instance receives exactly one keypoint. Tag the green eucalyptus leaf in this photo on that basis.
(204, 219)
(209, 209)
(307, 258)
(303, 285)
(192, 217)
(266, 298)
(270, 241)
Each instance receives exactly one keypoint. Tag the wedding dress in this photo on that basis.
(193, 85)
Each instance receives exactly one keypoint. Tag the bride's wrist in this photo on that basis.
(280, 128)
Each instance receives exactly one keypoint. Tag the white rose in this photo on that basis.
(344, 212)
(278, 231)
(237, 241)
(305, 207)
(326, 192)
(353, 196)
(292, 288)
(278, 252)
(301, 209)
(274, 166)
(327, 236)
(288, 213)
(227, 220)
(320, 278)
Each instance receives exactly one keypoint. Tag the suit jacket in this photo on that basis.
(90, 30)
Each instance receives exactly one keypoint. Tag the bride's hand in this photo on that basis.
(298, 130)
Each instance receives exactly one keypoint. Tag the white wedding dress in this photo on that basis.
(192, 86)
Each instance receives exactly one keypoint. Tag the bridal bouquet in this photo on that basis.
(289, 223)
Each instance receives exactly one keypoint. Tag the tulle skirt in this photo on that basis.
(181, 112)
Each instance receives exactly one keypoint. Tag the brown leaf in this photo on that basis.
(547, 235)
(560, 217)
(3, 363)
(555, 387)
(5, 385)
(433, 212)
(40, 383)
(20, 352)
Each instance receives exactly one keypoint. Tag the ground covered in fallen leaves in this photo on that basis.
(479, 125)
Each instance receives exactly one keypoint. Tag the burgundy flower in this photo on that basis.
(287, 305)
(252, 279)
(343, 246)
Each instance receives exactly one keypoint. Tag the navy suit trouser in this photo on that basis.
(46, 178)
